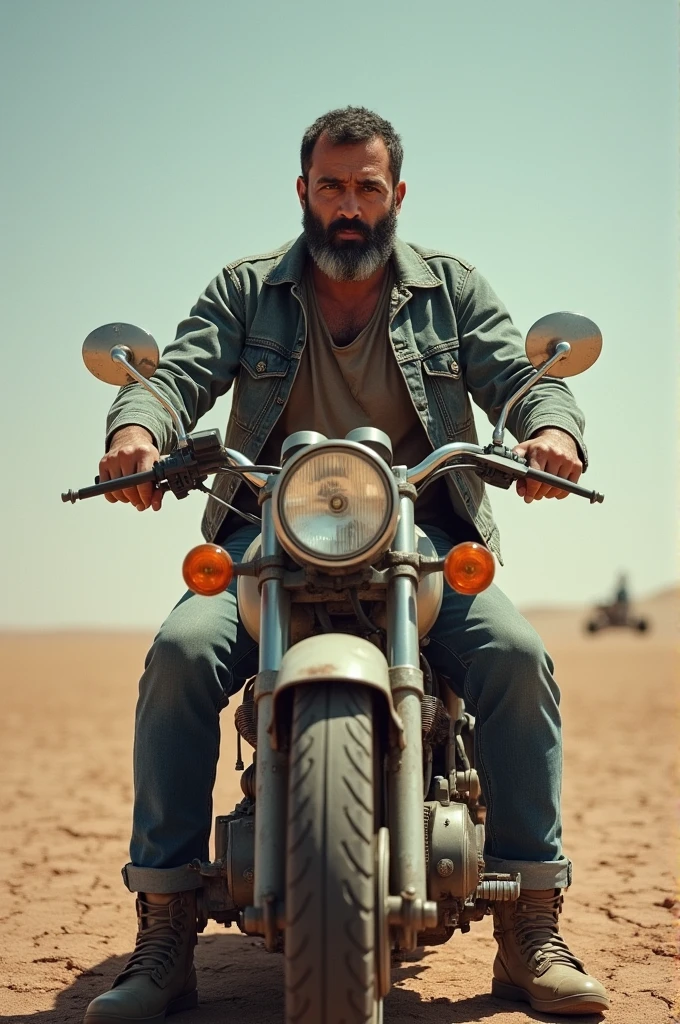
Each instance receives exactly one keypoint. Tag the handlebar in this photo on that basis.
(186, 468)
(149, 476)
(564, 485)
(497, 465)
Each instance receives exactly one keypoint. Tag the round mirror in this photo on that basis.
(581, 333)
(141, 351)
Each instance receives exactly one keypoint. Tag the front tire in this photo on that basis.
(331, 975)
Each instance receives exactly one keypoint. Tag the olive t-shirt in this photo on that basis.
(340, 387)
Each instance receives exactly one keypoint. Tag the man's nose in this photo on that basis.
(349, 205)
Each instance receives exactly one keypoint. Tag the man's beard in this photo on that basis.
(349, 259)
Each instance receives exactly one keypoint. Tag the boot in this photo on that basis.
(534, 964)
(159, 978)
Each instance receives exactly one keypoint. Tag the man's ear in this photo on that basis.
(301, 186)
(399, 193)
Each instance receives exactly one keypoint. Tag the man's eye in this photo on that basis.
(370, 188)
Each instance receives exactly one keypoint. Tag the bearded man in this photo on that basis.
(345, 327)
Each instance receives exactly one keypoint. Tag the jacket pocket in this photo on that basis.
(262, 372)
(262, 362)
(443, 381)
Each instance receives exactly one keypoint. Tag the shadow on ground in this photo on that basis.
(239, 981)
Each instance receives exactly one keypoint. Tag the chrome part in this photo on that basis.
(340, 658)
(123, 354)
(271, 766)
(405, 778)
(275, 602)
(582, 335)
(411, 915)
(429, 595)
(236, 459)
(294, 443)
(120, 355)
(382, 927)
(405, 802)
(377, 440)
(498, 888)
(320, 509)
(439, 457)
(561, 351)
(141, 350)
(403, 647)
(454, 868)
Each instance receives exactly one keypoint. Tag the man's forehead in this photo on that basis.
(368, 159)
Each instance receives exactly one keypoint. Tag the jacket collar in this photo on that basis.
(411, 269)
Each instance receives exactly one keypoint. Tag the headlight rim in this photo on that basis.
(304, 556)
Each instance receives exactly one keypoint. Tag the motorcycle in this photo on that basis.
(361, 829)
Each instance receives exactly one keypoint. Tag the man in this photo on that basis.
(345, 327)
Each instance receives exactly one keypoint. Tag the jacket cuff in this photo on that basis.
(536, 423)
(132, 418)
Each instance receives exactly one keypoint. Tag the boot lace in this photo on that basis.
(159, 937)
(536, 931)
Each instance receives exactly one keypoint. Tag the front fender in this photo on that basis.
(329, 658)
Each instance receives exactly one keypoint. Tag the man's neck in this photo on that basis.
(347, 293)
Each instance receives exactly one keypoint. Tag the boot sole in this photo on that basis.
(567, 1005)
(188, 1001)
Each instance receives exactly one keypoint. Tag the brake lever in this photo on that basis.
(500, 455)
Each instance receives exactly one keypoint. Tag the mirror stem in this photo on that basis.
(121, 354)
(562, 349)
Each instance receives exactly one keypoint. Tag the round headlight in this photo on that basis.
(335, 504)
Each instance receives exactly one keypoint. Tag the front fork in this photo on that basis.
(409, 911)
(271, 766)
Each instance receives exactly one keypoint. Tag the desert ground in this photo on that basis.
(67, 923)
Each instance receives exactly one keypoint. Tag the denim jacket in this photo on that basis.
(451, 336)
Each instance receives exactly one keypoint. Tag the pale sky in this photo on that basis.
(148, 142)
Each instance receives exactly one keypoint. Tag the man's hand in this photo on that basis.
(132, 450)
(553, 451)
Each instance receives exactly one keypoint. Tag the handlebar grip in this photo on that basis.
(148, 476)
(564, 485)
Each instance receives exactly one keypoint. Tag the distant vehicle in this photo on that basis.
(617, 614)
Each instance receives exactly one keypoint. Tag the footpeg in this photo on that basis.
(498, 888)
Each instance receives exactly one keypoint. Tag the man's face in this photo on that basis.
(350, 208)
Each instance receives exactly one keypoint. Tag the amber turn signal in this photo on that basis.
(469, 568)
(208, 570)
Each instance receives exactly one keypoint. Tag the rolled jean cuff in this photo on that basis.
(161, 880)
(536, 874)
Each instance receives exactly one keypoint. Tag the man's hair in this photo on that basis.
(352, 124)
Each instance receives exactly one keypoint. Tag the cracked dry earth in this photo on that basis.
(67, 923)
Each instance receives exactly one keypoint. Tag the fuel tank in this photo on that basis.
(429, 598)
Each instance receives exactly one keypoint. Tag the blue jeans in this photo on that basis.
(202, 655)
